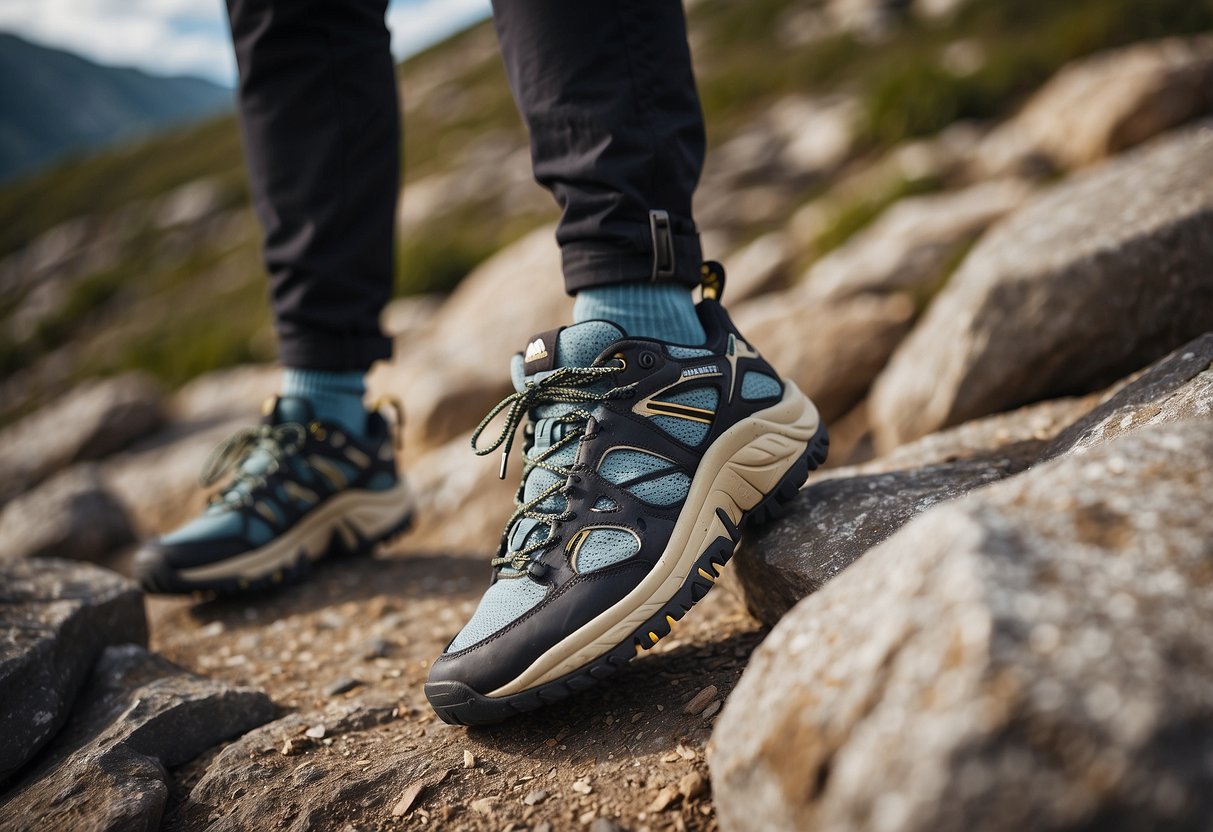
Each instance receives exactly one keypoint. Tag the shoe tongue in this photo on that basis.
(571, 346)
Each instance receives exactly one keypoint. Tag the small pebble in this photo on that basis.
(316, 732)
(663, 799)
(582, 786)
(535, 798)
(469, 760)
(342, 686)
(692, 786)
(700, 700)
(604, 825)
(711, 710)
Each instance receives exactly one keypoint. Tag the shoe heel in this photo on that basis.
(775, 504)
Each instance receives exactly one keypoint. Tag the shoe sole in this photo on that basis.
(727, 500)
(348, 524)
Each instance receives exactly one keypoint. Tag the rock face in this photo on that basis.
(1095, 278)
(71, 516)
(138, 715)
(1107, 103)
(910, 244)
(835, 521)
(1038, 655)
(832, 350)
(1177, 388)
(91, 422)
(55, 618)
(245, 766)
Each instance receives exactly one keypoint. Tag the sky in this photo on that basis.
(190, 37)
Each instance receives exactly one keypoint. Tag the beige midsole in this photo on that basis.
(369, 513)
(739, 469)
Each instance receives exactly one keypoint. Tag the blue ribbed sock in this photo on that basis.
(664, 311)
(335, 397)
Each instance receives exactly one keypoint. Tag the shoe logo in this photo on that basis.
(708, 369)
(535, 351)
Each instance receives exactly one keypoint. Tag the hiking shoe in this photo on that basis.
(300, 490)
(643, 461)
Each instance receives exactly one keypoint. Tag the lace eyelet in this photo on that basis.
(647, 360)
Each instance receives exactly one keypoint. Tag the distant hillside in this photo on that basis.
(53, 103)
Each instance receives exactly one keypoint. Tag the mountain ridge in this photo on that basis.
(55, 103)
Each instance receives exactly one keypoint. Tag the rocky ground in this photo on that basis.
(990, 611)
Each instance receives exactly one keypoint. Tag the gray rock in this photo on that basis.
(265, 773)
(912, 243)
(1037, 655)
(1105, 103)
(138, 715)
(1176, 388)
(72, 516)
(1038, 423)
(835, 521)
(55, 619)
(91, 422)
(1093, 280)
(831, 349)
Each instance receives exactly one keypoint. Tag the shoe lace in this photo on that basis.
(278, 441)
(566, 385)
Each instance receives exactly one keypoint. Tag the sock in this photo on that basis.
(647, 310)
(335, 397)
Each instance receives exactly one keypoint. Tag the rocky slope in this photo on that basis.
(990, 613)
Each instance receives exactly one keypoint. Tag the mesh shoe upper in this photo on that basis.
(279, 472)
(617, 427)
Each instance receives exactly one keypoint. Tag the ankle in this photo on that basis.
(665, 311)
(335, 397)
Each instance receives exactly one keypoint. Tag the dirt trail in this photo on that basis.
(627, 753)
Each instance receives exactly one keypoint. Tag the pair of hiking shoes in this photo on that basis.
(642, 462)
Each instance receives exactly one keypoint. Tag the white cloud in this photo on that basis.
(191, 36)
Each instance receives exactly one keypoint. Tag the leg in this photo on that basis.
(608, 95)
(318, 476)
(318, 110)
(643, 459)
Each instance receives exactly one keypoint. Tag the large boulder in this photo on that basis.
(1038, 655)
(843, 512)
(1090, 281)
(835, 521)
(55, 619)
(832, 349)
(911, 244)
(73, 515)
(1101, 105)
(1176, 388)
(138, 715)
(91, 422)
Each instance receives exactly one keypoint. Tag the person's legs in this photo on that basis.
(655, 431)
(608, 96)
(319, 114)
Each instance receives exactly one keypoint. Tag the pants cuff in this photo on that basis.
(590, 264)
(333, 353)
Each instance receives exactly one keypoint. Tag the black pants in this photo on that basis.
(608, 96)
